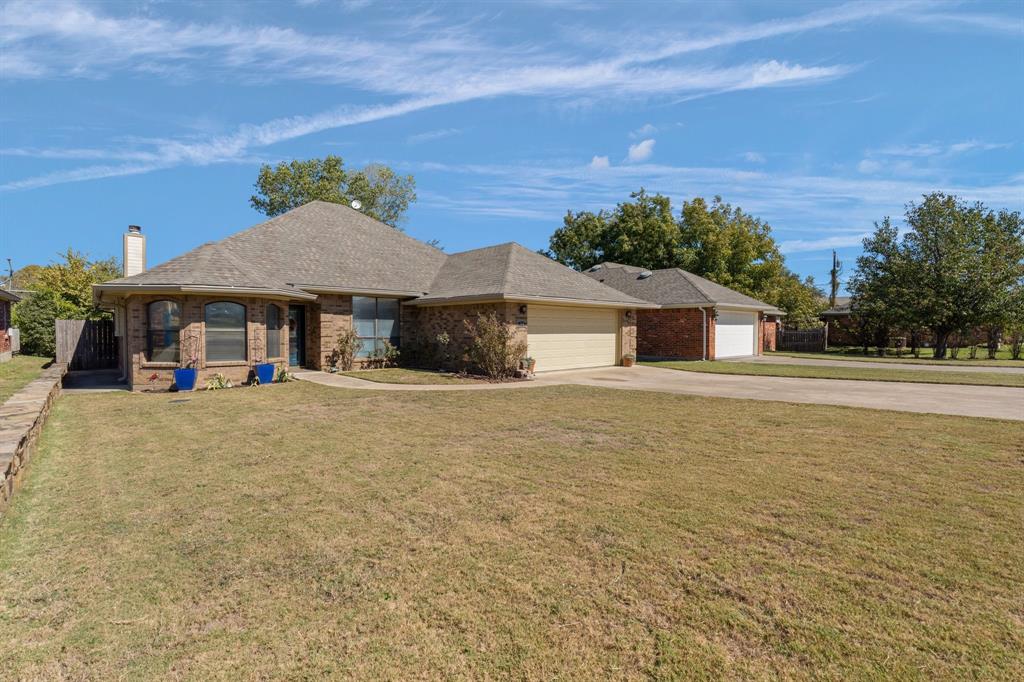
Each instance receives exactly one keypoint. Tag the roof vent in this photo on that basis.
(644, 274)
(595, 268)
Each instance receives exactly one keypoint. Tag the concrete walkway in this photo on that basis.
(971, 401)
(867, 364)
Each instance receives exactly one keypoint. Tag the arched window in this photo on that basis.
(273, 331)
(225, 331)
(163, 331)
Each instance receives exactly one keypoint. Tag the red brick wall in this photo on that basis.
(422, 325)
(674, 333)
(149, 375)
(769, 330)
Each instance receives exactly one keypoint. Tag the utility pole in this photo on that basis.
(10, 275)
(833, 279)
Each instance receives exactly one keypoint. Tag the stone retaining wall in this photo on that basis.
(21, 421)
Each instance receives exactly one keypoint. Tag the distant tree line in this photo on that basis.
(716, 241)
(957, 268)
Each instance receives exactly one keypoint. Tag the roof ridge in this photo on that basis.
(508, 263)
(696, 281)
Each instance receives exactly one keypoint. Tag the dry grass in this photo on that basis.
(17, 372)
(402, 375)
(303, 531)
(876, 373)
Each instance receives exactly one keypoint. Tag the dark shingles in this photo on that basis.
(670, 286)
(330, 246)
(511, 271)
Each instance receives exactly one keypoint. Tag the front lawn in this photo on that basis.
(302, 531)
(1003, 358)
(401, 375)
(856, 373)
(19, 371)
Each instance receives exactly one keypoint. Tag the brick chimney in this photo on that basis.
(134, 251)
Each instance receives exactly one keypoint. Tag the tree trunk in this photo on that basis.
(994, 332)
(941, 341)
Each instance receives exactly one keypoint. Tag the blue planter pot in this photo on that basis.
(265, 373)
(185, 379)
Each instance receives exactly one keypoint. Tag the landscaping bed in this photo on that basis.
(562, 532)
(852, 373)
(401, 375)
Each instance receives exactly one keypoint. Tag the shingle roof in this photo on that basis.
(842, 307)
(324, 247)
(333, 246)
(671, 286)
(513, 271)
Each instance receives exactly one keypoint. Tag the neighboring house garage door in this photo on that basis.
(734, 334)
(570, 338)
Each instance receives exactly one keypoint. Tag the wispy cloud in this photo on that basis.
(753, 157)
(641, 151)
(835, 242)
(646, 130)
(928, 149)
(452, 65)
(431, 135)
(807, 212)
(599, 163)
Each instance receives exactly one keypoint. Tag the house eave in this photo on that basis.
(136, 289)
(522, 298)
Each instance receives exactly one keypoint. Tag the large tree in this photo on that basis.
(715, 241)
(956, 268)
(384, 194)
(61, 291)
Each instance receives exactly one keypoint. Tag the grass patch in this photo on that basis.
(1003, 358)
(19, 371)
(402, 375)
(856, 373)
(561, 532)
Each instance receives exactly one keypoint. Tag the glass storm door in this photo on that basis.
(296, 335)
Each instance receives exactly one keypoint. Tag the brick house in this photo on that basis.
(281, 292)
(7, 299)
(695, 319)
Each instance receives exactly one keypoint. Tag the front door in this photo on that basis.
(296, 335)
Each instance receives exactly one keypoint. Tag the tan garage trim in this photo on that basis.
(572, 337)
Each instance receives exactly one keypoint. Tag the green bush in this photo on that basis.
(493, 349)
(35, 316)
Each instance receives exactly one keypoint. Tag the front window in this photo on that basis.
(225, 332)
(163, 331)
(273, 331)
(376, 321)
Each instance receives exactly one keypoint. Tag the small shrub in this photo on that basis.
(1016, 342)
(345, 348)
(493, 349)
(283, 376)
(385, 356)
(217, 382)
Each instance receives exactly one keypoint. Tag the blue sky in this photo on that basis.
(819, 118)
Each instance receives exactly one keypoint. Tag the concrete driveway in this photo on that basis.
(970, 401)
(866, 364)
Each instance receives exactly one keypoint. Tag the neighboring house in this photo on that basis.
(7, 299)
(842, 330)
(283, 290)
(695, 318)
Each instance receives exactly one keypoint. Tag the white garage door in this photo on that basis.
(734, 334)
(571, 338)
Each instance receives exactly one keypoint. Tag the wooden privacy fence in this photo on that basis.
(87, 344)
(806, 340)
